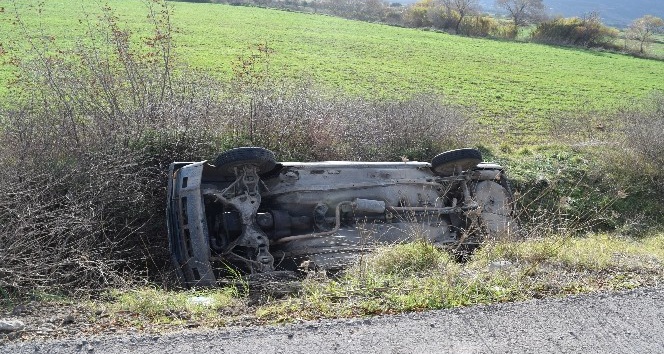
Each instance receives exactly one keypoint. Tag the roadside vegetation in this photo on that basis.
(418, 277)
(85, 157)
(395, 279)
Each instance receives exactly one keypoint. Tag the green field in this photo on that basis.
(515, 85)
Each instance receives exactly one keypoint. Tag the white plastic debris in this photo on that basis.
(204, 301)
(499, 265)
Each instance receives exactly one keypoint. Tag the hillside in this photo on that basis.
(512, 85)
(614, 12)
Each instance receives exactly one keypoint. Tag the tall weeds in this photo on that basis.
(302, 122)
(644, 134)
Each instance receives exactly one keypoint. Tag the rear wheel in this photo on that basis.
(447, 163)
(260, 157)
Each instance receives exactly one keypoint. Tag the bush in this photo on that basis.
(643, 126)
(417, 15)
(507, 32)
(85, 156)
(315, 125)
(428, 13)
(74, 223)
(560, 191)
(442, 17)
(584, 32)
(480, 26)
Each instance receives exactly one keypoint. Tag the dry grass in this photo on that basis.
(643, 126)
(501, 272)
(409, 277)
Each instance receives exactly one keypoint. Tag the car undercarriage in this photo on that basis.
(246, 212)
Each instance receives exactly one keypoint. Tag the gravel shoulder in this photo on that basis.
(626, 322)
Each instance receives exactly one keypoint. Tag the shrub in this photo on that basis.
(585, 32)
(319, 125)
(73, 223)
(84, 156)
(480, 26)
(442, 17)
(507, 32)
(643, 126)
(417, 15)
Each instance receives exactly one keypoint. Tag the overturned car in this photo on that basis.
(247, 212)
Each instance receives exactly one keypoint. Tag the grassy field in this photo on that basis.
(512, 85)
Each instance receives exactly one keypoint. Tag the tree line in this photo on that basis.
(465, 17)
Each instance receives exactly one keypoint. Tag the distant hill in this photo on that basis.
(617, 13)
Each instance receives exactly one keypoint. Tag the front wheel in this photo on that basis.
(260, 157)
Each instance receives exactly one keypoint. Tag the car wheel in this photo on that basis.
(446, 163)
(495, 203)
(260, 157)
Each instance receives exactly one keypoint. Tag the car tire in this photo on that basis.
(260, 157)
(496, 217)
(446, 163)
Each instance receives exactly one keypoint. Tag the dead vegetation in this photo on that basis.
(409, 277)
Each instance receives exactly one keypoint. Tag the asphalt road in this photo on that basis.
(630, 322)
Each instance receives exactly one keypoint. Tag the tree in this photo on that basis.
(523, 12)
(463, 8)
(643, 29)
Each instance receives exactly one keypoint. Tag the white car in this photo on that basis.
(247, 212)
